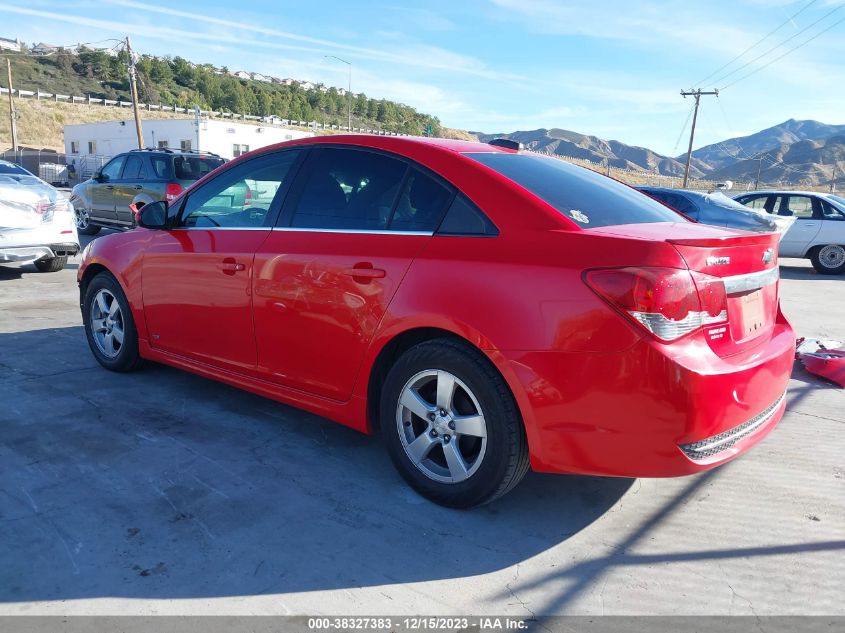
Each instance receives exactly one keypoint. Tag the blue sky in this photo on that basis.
(610, 68)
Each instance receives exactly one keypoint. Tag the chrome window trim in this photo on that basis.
(751, 281)
(298, 229)
(220, 228)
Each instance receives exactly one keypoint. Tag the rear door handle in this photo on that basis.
(109, 186)
(138, 187)
(365, 272)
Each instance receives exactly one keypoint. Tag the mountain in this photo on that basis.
(568, 143)
(722, 155)
(809, 162)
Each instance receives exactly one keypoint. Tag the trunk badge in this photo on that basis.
(718, 261)
(768, 255)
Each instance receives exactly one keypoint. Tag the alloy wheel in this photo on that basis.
(441, 426)
(107, 325)
(82, 218)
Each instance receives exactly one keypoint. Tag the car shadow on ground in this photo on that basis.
(160, 484)
(802, 273)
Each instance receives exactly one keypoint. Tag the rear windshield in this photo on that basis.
(585, 197)
(11, 168)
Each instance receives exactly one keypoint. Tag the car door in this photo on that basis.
(833, 224)
(196, 277)
(127, 187)
(808, 214)
(102, 189)
(324, 277)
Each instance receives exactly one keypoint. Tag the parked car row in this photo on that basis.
(488, 309)
(136, 178)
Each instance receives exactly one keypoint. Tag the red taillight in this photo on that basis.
(667, 302)
(248, 197)
(171, 191)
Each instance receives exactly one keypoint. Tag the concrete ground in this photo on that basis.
(163, 493)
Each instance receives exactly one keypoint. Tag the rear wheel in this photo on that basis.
(83, 222)
(829, 260)
(451, 425)
(109, 326)
(52, 265)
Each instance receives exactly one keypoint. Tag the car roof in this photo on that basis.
(399, 144)
(790, 192)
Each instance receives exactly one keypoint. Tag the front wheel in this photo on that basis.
(829, 260)
(52, 265)
(109, 326)
(451, 425)
(83, 221)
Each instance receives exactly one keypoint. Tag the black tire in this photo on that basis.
(505, 460)
(52, 265)
(127, 357)
(826, 259)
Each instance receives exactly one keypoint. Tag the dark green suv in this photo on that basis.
(136, 177)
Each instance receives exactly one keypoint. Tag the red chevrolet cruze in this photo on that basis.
(485, 308)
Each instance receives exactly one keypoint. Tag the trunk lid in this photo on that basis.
(745, 263)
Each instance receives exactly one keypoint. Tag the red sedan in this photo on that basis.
(487, 309)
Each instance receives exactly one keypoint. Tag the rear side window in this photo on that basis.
(350, 189)
(161, 167)
(585, 197)
(464, 218)
(761, 203)
(420, 205)
(194, 167)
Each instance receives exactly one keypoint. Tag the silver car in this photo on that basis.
(37, 222)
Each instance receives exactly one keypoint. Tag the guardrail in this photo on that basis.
(38, 95)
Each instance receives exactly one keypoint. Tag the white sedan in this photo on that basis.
(36, 221)
(819, 230)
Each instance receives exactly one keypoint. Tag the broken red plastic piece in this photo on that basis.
(827, 363)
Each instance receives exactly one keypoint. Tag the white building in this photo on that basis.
(228, 139)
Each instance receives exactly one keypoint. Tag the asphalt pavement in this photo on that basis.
(160, 492)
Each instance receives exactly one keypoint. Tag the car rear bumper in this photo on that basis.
(646, 413)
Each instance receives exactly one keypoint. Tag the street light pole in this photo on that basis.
(348, 91)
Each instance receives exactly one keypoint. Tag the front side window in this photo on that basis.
(112, 169)
(831, 212)
(242, 196)
(350, 189)
(583, 196)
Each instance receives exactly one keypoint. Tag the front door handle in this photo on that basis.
(230, 266)
(109, 187)
(138, 187)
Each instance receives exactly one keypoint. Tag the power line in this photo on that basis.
(777, 46)
(791, 50)
(683, 129)
(760, 41)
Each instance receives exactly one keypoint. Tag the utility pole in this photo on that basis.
(134, 90)
(759, 169)
(697, 94)
(13, 116)
(833, 180)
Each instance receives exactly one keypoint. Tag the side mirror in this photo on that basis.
(152, 215)
(100, 177)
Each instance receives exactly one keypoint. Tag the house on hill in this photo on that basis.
(240, 74)
(10, 45)
(43, 49)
